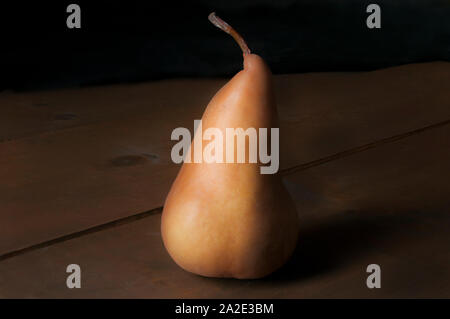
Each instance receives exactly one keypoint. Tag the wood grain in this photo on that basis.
(75, 159)
(387, 205)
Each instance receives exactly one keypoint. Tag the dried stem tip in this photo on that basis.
(218, 22)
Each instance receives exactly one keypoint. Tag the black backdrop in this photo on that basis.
(127, 41)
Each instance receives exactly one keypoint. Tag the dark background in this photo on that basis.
(128, 41)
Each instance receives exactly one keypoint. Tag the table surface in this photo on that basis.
(366, 156)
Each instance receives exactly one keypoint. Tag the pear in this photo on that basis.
(228, 219)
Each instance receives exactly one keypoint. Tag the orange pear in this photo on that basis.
(229, 219)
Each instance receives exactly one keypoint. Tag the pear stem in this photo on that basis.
(222, 25)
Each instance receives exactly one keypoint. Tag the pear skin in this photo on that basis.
(228, 219)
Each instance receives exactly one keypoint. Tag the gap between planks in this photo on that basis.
(284, 172)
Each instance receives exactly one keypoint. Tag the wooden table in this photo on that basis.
(84, 173)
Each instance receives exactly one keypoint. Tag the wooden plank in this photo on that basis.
(115, 161)
(301, 98)
(325, 113)
(388, 205)
(32, 113)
